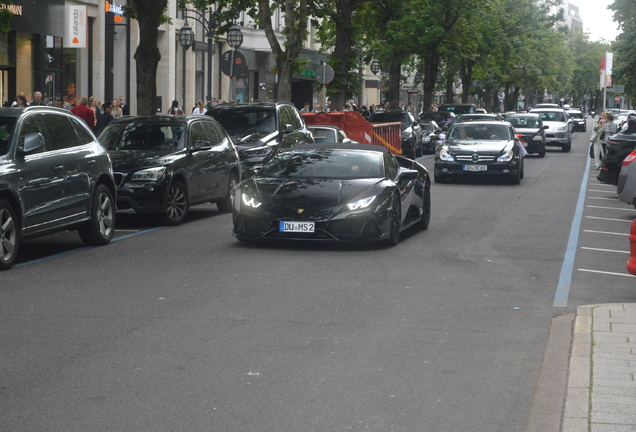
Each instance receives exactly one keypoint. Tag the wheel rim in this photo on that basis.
(105, 215)
(8, 235)
(177, 203)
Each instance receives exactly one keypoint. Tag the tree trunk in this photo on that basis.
(341, 57)
(147, 55)
(467, 78)
(431, 66)
(395, 74)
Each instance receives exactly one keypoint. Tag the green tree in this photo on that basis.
(624, 49)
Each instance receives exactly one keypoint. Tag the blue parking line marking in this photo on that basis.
(565, 279)
(83, 248)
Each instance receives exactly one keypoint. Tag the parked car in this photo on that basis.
(626, 188)
(54, 176)
(578, 120)
(341, 192)
(166, 164)
(260, 129)
(618, 147)
(480, 149)
(411, 129)
(442, 118)
(328, 134)
(559, 132)
(430, 133)
(530, 130)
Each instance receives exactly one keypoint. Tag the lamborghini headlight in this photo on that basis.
(361, 204)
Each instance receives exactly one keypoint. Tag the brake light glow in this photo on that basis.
(629, 158)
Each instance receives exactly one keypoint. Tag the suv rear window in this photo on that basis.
(241, 120)
(7, 125)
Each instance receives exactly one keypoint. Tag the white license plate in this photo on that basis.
(296, 227)
(475, 168)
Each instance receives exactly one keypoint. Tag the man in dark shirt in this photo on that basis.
(105, 118)
(37, 99)
(85, 113)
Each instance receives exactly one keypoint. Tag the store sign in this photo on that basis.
(118, 10)
(76, 27)
(15, 9)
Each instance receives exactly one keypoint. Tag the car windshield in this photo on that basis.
(480, 132)
(473, 117)
(577, 115)
(389, 117)
(7, 124)
(524, 122)
(142, 136)
(330, 164)
(242, 121)
(553, 116)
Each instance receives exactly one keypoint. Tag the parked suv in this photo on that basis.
(559, 132)
(54, 176)
(259, 129)
(411, 129)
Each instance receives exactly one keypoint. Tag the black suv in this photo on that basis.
(54, 176)
(259, 129)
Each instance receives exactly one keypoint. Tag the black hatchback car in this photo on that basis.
(260, 129)
(54, 176)
(165, 164)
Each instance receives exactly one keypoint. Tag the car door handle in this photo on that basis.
(92, 162)
(59, 168)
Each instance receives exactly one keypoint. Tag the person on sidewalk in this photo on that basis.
(85, 113)
(105, 118)
(174, 109)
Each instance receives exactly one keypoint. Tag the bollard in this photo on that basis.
(631, 263)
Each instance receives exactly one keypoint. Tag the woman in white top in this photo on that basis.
(199, 109)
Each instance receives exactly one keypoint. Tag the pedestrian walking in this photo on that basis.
(37, 99)
(20, 101)
(85, 113)
(199, 109)
(175, 109)
(105, 118)
(306, 108)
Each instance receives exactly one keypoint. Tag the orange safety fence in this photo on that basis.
(358, 129)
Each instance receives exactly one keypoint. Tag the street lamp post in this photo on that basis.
(210, 25)
(235, 40)
(185, 37)
(375, 68)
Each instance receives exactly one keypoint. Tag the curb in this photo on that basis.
(576, 417)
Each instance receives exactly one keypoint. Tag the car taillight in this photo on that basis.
(629, 159)
(613, 143)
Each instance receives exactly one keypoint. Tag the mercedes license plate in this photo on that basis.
(475, 168)
(307, 227)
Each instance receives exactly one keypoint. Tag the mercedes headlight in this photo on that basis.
(506, 157)
(150, 174)
(250, 201)
(562, 128)
(445, 156)
(361, 204)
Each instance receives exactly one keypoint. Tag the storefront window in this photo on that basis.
(69, 85)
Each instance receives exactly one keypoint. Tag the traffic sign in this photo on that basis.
(240, 65)
(324, 74)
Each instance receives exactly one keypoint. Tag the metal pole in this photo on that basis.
(232, 77)
(210, 42)
(183, 81)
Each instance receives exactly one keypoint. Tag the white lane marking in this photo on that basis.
(607, 273)
(605, 250)
(602, 198)
(608, 219)
(606, 232)
(611, 208)
(594, 190)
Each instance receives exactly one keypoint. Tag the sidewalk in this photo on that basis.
(601, 395)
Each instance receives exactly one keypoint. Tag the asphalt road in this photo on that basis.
(186, 329)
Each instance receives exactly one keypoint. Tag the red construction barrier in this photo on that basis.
(358, 129)
(631, 264)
